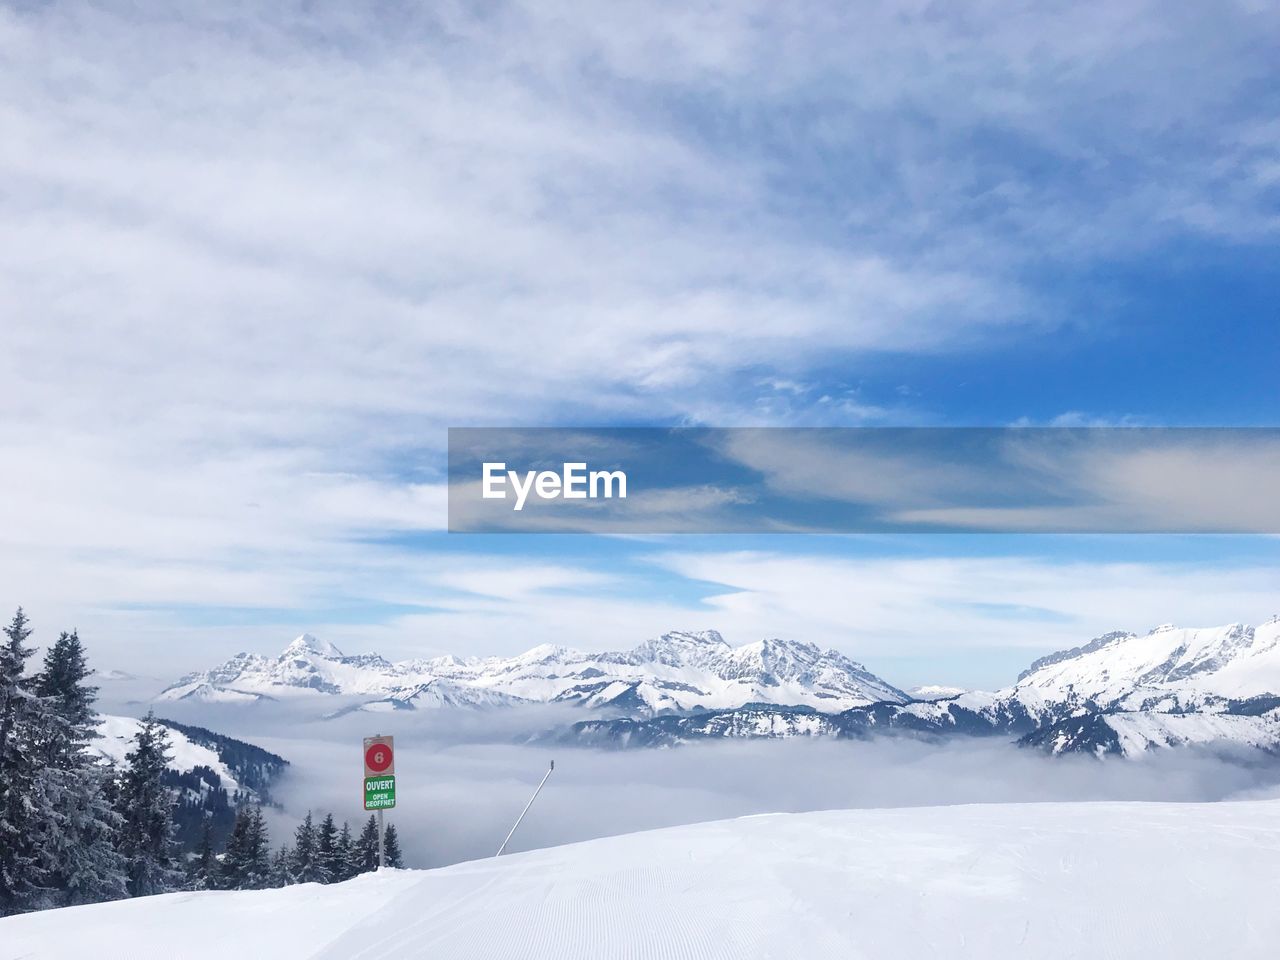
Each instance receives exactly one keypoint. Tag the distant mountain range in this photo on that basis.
(1121, 693)
(677, 672)
(1118, 694)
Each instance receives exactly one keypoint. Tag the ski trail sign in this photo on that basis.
(379, 793)
(379, 773)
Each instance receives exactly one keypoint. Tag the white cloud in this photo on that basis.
(256, 259)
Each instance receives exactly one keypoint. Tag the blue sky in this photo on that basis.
(257, 261)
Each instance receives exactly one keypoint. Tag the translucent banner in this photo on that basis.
(864, 480)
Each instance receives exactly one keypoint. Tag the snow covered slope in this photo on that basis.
(1121, 693)
(210, 772)
(1139, 881)
(116, 738)
(1136, 733)
(971, 715)
(675, 672)
(1216, 687)
(1168, 669)
(935, 691)
(433, 695)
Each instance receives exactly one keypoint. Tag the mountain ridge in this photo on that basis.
(695, 685)
(677, 672)
(1118, 694)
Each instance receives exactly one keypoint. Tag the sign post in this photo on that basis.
(380, 784)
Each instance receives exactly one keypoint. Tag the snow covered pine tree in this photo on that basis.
(146, 805)
(304, 865)
(57, 828)
(202, 870)
(23, 880)
(78, 841)
(346, 848)
(328, 858)
(281, 872)
(391, 845)
(247, 863)
(364, 856)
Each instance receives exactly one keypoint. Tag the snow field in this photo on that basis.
(1044, 881)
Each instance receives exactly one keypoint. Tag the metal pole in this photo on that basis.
(526, 809)
(382, 842)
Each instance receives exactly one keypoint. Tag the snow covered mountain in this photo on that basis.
(1122, 693)
(209, 773)
(432, 695)
(942, 718)
(1169, 670)
(1132, 734)
(935, 691)
(1053, 881)
(115, 740)
(675, 672)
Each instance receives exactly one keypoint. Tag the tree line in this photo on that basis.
(320, 853)
(75, 829)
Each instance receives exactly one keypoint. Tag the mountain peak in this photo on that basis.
(543, 651)
(309, 644)
(680, 648)
(706, 637)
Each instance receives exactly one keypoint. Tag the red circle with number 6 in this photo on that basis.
(378, 757)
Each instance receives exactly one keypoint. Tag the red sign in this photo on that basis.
(379, 756)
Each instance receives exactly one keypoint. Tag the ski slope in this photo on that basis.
(1128, 881)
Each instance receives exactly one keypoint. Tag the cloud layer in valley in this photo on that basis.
(457, 802)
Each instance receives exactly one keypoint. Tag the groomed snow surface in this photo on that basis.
(1104, 880)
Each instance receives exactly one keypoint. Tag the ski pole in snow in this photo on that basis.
(526, 809)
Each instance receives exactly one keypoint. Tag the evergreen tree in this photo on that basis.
(304, 865)
(364, 854)
(328, 857)
(257, 852)
(13, 660)
(391, 846)
(202, 872)
(78, 839)
(247, 862)
(281, 874)
(79, 832)
(346, 845)
(231, 870)
(146, 806)
(63, 681)
(24, 805)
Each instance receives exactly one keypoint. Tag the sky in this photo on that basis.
(257, 259)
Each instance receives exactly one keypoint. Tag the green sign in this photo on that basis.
(379, 793)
